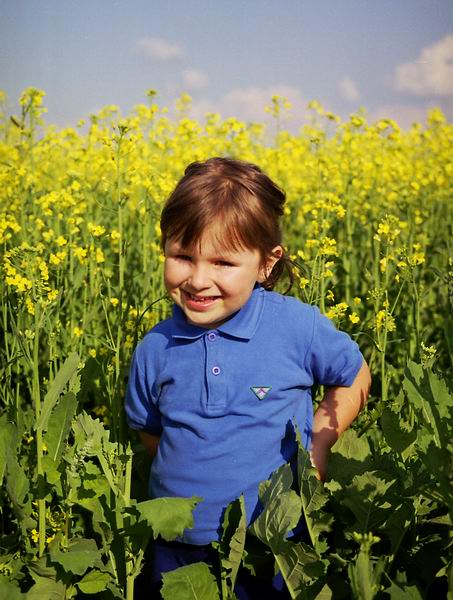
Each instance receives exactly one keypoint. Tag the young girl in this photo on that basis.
(214, 390)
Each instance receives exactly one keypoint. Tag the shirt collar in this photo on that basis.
(242, 325)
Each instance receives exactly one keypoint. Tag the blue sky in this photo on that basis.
(393, 57)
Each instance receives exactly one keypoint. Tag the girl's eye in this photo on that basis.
(224, 263)
(184, 257)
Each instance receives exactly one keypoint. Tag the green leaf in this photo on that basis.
(48, 589)
(9, 441)
(9, 590)
(92, 439)
(167, 517)
(396, 525)
(300, 565)
(94, 582)
(59, 425)
(94, 487)
(257, 557)
(67, 371)
(80, 555)
(368, 499)
(231, 545)
(403, 592)
(278, 517)
(313, 499)
(90, 434)
(349, 456)
(40, 568)
(439, 462)
(17, 482)
(396, 431)
(53, 475)
(280, 481)
(432, 401)
(192, 582)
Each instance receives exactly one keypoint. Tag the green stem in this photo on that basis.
(39, 441)
(416, 308)
(116, 411)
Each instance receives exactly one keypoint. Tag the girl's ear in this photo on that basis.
(274, 256)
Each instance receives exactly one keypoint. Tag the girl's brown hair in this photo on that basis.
(234, 194)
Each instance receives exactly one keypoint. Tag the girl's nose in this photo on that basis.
(199, 277)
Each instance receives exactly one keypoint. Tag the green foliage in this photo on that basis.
(193, 582)
(232, 544)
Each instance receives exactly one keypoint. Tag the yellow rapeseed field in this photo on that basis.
(367, 224)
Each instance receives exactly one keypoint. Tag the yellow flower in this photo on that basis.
(34, 535)
(384, 320)
(417, 258)
(53, 259)
(61, 241)
(30, 306)
(354, 318)
(114, 301)
(77, 332)
(100, 258)
(357, 300)
(303, 282)
(22, 284)
(80, 253)
(96, 230)
(115, 235)
(92, 352)
(338, 311)
(100, 411)
(129, 341)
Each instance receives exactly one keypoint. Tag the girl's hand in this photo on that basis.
(319, 460)
(338, 409)
(150, 441)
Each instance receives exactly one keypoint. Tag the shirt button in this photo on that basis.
(215, 370)
(211, 336)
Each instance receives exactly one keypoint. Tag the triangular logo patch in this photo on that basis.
(261, 391)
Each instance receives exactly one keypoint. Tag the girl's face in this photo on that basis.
(210, 284)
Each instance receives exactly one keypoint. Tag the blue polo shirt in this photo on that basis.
(224, 400)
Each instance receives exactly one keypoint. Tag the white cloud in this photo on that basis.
(194, 79)
(431, 74)
(248, 104)
(348, 89)
(159, 50)
(405, 115)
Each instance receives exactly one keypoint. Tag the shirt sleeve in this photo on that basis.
(141, 396)
(333, 358)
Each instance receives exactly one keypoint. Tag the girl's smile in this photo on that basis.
(209, 283)
(199, 302)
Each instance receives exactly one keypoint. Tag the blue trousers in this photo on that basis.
(167, 556)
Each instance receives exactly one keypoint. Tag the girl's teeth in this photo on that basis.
(201, 298)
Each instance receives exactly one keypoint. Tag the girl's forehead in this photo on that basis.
(213, 241)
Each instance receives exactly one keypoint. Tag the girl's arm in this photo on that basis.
(336, 412)
(150, 441)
